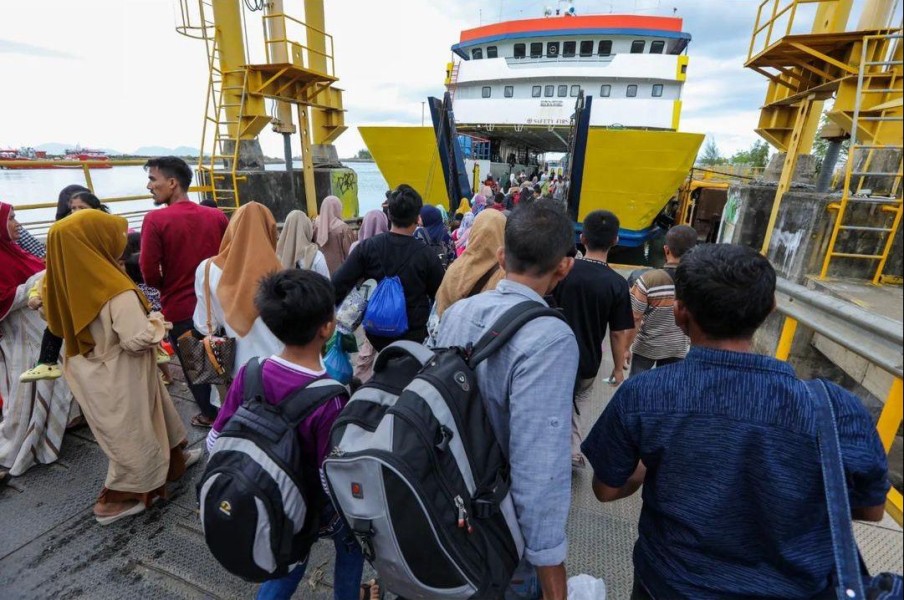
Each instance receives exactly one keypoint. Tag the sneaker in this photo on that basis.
(41, 371)
(577, 461)
(192, 456)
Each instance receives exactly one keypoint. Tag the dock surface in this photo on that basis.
(51, 546)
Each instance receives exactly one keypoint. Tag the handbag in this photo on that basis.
(211, 358)
(850, 584)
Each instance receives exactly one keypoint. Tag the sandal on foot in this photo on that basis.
(137, 509)
(41, 371)
(192, 456)
(200, 420)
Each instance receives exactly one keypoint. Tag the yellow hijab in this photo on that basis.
(463, 207)
(252, 235)
(83, 274)
(486, 237)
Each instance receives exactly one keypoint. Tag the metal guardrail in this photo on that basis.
(874, 338)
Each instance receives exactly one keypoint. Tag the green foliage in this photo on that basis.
(364, 154)
(710, 154)
(821, 145)
(756, 156)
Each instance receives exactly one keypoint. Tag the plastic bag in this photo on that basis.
(351, 311)
(586, 587)
(336, 361)
(387, 314)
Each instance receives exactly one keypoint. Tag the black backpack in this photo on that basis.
(259, 501)
(419, 476)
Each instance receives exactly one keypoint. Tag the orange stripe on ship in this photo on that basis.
(579, 22)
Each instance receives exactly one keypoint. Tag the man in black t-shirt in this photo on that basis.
(593, 298)
(397, 252)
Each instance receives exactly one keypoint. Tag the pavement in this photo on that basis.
(52, 548)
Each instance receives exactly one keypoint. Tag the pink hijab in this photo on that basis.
(16, 265)
(374, 223)
(330, 219)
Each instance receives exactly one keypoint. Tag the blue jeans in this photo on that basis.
(346, 573)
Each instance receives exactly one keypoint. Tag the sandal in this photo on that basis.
(199, 420)
(372, 590)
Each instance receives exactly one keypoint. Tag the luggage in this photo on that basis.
(258, 500)
(418, 474)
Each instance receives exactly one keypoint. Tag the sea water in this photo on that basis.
(40, 186)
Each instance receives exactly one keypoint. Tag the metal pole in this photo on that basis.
(828, 166)
(423, 104)
(287, 152)
(786, 339)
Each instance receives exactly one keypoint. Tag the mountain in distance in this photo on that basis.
(58, 149)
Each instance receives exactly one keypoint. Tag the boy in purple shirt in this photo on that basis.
(298, 307)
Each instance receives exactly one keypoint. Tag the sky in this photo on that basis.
(116, 74)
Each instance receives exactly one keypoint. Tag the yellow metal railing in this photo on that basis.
(767, 24)
(298, 50)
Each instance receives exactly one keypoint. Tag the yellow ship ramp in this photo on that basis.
(408, 155)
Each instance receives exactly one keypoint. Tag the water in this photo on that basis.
(38, 186)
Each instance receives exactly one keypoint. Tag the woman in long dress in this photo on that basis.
(332, 234)
(296, 248)
(34, 414)
(110, 362)
(247, 254)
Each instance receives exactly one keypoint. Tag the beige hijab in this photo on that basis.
(295, 242)
(247, 254)
(330, 219)
(487, 235)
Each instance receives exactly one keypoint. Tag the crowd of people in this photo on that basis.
(722, 440)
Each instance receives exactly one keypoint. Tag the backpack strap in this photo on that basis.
(483, 281)
(508, 325)
(299, 404)
(254, 381)
(401, 349)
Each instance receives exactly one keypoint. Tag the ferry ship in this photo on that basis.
(514, 87)
(97, 159)
(24, 158)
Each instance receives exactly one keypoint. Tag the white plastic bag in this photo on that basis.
(586, 587)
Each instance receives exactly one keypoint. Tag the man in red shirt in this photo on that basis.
(174, 241)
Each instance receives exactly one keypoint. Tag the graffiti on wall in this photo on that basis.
(344, 185)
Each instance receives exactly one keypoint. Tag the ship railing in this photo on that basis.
(874, 338)
(297, 41)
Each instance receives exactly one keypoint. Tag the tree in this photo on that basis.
(711, 154)
(756, 156)
(364, 154)
(821, 145)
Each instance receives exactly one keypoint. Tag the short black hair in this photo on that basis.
(209, 203)
(130, 257)
(91, 200)
(499, 198)
(537, 238)
(294, 304)
(600, 230)
(172, 166)
(729, 290)
(680, 239)
(404, 206)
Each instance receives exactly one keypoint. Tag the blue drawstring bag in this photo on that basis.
(336, 361)
(386, 314)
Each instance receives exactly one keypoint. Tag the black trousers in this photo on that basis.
(639, 363)
(50, 348)
(200, 392)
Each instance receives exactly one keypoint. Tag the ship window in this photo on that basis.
(477, 53)
(549, 91)
(587, 48)
(637, 46)
(605, 48)
(492, 52)
(657, 90)
(631, 93)
(605, 90)
(657, 46)
(536, 91)
(563, 91)
(552, 49)
(510, 91)
(575, 90)
(569, 48)
(536, 49)
(684, 69)
(486, 90)
(519, 50)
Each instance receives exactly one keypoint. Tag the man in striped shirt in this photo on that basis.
(658, 341)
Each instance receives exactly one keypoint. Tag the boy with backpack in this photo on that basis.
(408, 273)
(526, 387)
(298, 307)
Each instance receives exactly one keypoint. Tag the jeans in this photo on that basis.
(346, 573)
(639, 592)
(639, 363)
(200, 392)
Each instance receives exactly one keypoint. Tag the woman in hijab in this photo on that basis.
(34, 415)
(443, 213)
(477, 270)
(434, 233)
(460, 237)
(296, 248)
(332, 234)
(110, 361)
(478, 204)
(247, 254)
(374, 223)
(464, 207)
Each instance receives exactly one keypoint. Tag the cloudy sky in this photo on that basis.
(115, 74)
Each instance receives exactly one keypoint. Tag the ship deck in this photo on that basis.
(51, 547)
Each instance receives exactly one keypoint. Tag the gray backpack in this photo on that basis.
(419, 476)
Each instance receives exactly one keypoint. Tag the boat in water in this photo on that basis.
(518, 90)
(96, 159)
(24, 158)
